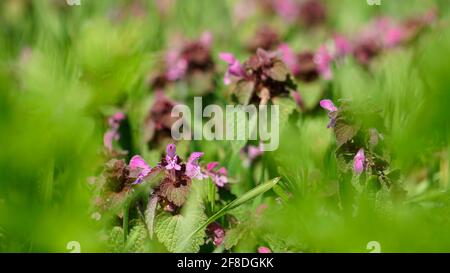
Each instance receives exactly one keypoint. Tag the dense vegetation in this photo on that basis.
(86, 153)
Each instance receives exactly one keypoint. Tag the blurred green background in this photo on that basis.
(62, 67)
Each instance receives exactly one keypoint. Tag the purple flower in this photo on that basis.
(172, 158)
(193, 169)
(138, 168)
(358, 161)
(323, 60)
(218, 176)
(216, 233)
(263, 249)
(235, 68)
(329, 106)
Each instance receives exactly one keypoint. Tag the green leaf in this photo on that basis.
(343, 131)
(200, 83)
(279, 71)
(174, 231)
(115, 239)
(280, 192)
(287, 107)
(243, 91)
(249, 124)
(176, 195)
(150, 214)
(137, 239)
(236, 203)
(234, 235)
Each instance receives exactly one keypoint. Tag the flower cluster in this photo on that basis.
(265, 37)
(309, 13)
(357, 144)
(158, 122)
(384, 33)
(307, 65)
(189, 61)
(177, 176)
(262, 77)
(112, 135)
(215, 233)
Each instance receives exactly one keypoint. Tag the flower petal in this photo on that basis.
(359, 159)
(171, 150)
(138, 162)
(328, 105)
(227, 57)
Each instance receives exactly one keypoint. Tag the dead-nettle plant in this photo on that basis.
(168, 199)
(239, 122)
(360, 148)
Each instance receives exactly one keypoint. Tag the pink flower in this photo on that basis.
(216, 233)
(263, 249)
(193, 169)
(298, 99)
(287, 9)
(172, 158)
(342, 46)
(235, 68)
(206, 39)
(289, 58)
(387, 32)
(329, 106)
(358, 161)
(112, 134)
(393, 36)
(139, 167)
(323, 60)
(251, 152)
(218, 176)
(176, 66)
(114, 120)
(254, 152)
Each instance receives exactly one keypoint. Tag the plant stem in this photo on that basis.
(125, 223)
